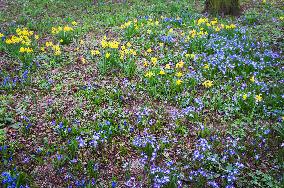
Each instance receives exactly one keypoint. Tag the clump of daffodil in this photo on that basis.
(22, 37)
(65, 34)
(207, 83)
(126, 25)
(26, 50)
(258, 98)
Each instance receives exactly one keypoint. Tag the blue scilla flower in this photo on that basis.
(113, 184)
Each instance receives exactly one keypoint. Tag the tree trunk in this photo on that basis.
(231, 7)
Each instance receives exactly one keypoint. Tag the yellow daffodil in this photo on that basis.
(149, 50)
(180, 64)
(245, 97)
(107, 55)
(1, 35)
(22, 50)
(206, 66)
(104, 43)
(258, 98)
(57, 53)
(95, 52)
(149, 74)
(162, 72)
(217, 29)
(83, 60)
(207, 83)
(67, 28)
(154, 60)
(168, 66)
(114, 44)
(178, 82)
(179, 74)
(29, 50)
(74, 23)
(36, 37)
(145, 64)
(47, 44)
(252, 79)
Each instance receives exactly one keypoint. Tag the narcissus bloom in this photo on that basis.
(162, 72)
(95, 52)
(168, 66)
(107, 55)
(145, 64)
(22, 50)
(74, 23)
(154, 60)
(180, 64)
(104, 43)
(258, 98)
(206, 66)
(178, 82)
(47, 44)
(113, 44)
(149, 74)
(207, 83)
(149, 50)
(179, 74)
(245, 97)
